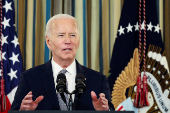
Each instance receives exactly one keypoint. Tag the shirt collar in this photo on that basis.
(72, 68)
(56, 68)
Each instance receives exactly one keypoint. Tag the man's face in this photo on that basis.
(64, 40)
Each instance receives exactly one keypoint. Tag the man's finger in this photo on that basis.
(25, 106)
(28, 96)
(27, 101)
(105, 102)
(38, 99)
(93, 96)
(105, 107)
(102, 95)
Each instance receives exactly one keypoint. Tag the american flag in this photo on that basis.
(11, 60)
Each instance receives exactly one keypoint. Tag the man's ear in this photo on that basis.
(48, 42)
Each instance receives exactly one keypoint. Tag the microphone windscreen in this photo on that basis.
(61, 75)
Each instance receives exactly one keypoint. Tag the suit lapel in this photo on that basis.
(80, 69)
(47, 78)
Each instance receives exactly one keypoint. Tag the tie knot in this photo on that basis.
(63, 71)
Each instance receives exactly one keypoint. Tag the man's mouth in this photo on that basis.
(68, 49)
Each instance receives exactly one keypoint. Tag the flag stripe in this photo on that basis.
(119, 109)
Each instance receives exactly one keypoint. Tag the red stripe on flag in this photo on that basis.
(120, 108)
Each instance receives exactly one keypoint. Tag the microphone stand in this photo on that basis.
(70, 104)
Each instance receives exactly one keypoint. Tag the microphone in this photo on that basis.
(80, 85)
(61, 85)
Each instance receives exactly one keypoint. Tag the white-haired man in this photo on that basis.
(36, 90)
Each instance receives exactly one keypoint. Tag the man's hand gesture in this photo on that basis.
(28, 103)
(100, 104)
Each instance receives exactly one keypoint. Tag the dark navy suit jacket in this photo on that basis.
(40, 81)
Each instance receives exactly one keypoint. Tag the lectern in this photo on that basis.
(56, 111)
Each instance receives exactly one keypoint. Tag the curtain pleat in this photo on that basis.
(79, 17)
(29, 34)
(105, 35)
(115, 11)
(161, 17)
(167, 29)
(21, 26)
(48, 14)
(88, 33)
(95, 35)
(39, 32)
(68, 7)
(57, 7)
(16, 15)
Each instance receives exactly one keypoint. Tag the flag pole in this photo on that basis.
(2, 86)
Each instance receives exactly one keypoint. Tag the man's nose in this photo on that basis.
(67, 40)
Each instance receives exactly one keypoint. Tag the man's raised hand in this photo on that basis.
(28, 103)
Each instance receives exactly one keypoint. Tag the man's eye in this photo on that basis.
(60, 35)
(73, 35)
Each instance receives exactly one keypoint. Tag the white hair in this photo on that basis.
(58, 16)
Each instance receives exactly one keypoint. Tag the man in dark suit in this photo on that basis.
(36, 89)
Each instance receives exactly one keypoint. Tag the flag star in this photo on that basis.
(129, 28)
(157, 28)
(166, 82)
(12, 74)
(4, 39)
(6, 22)
(163, 77)
(14, 58)
(154, 69)
(143, 26)
(15, 41)
(3, 56)
(149, 66)
(7, 6)
(149, 26)
(156, 107)
(159, 72)
(14, 25)
(136, 26)
(121, 30)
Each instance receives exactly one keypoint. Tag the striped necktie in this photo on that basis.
(62, 104)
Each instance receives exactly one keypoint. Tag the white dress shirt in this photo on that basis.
(70, 75)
